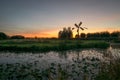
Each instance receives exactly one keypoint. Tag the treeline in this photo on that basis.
(101, 35)
(5, 36)
(67, 33)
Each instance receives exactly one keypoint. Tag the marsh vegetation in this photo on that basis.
(39, 45)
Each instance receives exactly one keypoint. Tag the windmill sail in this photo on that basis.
(76, 25)
(73, 28)
(81, 28)
(80, 23)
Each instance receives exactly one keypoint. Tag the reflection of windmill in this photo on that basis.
(78, 28)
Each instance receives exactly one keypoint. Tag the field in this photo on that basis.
(45, 45)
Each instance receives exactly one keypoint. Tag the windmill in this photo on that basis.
(79, 27)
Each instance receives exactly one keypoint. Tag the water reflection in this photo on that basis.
(72, 64)
(60, 57)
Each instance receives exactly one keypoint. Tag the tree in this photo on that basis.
(3, 36)
(96, 35)
(83, 35)
(115, 34)
(66, 33)
(105, 34)
(69, 33)
(76, 36)
(60, 34)
(89, 35)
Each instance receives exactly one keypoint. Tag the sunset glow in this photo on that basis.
(42, 35)
(44, 18)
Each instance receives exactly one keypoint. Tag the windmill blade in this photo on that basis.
(73, 28)
(76, 25)
(81, 28)
(80, 23)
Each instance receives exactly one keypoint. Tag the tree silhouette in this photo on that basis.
(3, 36)
(105, 34)
(89, 35)
(60, 34)
(115, 34)
(96, 35)
(82, 35)
(66, 33)
(69, 33)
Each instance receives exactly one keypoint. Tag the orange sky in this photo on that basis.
(54, 33)
(44, 34)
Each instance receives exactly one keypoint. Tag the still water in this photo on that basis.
(57, 57)
(74, 63)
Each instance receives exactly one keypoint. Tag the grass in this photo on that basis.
(36, 45)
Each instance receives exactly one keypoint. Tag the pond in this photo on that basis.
(65, 65)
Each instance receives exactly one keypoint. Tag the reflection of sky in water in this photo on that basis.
(115, 52)
(57, 57)
(84, 61)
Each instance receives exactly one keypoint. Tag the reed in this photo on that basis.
(110, 71)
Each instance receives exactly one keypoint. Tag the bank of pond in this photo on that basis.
(49, 45)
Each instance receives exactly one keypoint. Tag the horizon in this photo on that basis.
(44, 18)
(37, 37)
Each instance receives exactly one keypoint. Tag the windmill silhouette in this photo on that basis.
(79, 27)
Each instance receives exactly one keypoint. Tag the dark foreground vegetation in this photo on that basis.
(111, 70)
(39, 45)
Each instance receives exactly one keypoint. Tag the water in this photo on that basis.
(59, 57)
(75, 64)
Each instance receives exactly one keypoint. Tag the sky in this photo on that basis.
(45, 18)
